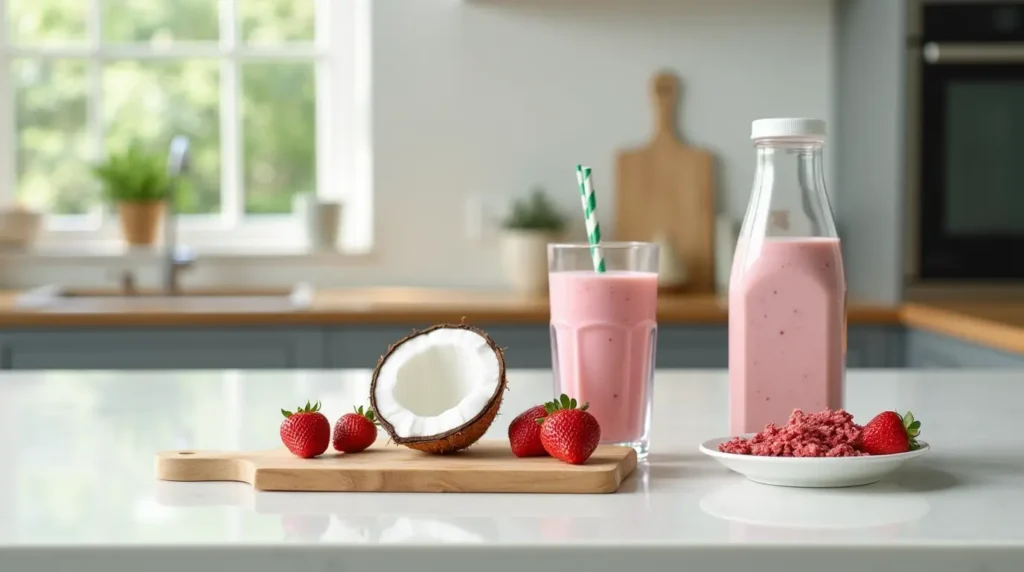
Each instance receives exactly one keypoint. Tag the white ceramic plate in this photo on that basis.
(816, 472)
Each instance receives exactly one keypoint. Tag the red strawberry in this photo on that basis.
(306, 433)
(355, 431)
(569, 434)
(524, 433)
(889, 433)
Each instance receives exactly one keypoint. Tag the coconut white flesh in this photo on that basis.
(436, 382)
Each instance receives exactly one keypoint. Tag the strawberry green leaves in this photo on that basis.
(913, 427)
(564, 402)
(367, 413)
(302, 409)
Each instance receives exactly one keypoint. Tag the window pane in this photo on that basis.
(46, 21)
(278, 126)
(52, 136)
(147, 103)
(276, 21)
(159, 21)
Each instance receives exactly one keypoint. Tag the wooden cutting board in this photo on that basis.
(487, 467)
(667, 187)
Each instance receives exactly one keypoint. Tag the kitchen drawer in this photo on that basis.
(362, 346)
(935, 351)
(164, 348)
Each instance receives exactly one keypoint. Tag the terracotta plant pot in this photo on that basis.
(140, 221)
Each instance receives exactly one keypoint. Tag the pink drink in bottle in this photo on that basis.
(787, 291)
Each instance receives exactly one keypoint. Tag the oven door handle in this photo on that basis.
(957, 53)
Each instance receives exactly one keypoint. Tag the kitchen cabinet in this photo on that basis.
(934, 351)
(679, 346)
(874, 346)
(163, 348)
(360, 346)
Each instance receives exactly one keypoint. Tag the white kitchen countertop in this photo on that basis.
(77, 490)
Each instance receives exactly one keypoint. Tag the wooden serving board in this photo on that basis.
(487, 467)
(666, 188)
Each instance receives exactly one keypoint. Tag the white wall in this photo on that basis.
(490, 97)
(870, 69)
(487, 97)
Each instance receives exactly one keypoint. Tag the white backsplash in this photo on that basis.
(480, 101)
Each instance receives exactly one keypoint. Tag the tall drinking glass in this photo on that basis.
(603, 334)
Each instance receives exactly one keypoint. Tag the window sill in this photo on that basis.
(99, 253)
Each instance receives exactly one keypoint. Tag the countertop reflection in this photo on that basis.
(78, 451)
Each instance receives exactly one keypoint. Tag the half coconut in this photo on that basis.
(438, 390)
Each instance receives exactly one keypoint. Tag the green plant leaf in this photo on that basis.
(286, 413)
(133, 175)
(585, 406)
(565, 401)
(535, 212)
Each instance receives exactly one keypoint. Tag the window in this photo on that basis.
(271, 93)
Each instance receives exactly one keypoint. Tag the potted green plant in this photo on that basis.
(532, 223)
(136, 182)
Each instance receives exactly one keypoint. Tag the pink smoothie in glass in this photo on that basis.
(787, 331)
(603, 329)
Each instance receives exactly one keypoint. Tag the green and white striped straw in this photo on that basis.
(589, 200)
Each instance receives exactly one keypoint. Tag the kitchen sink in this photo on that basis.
(62, 299)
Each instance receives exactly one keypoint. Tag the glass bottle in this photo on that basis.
(787, 290)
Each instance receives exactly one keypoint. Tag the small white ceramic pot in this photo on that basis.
(524, 259)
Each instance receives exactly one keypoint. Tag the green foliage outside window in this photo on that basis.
(153, 100)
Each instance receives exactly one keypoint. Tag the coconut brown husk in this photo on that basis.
(461, 437)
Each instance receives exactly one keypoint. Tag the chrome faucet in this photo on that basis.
(176, 258)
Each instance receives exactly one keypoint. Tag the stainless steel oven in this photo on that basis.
(966, 123)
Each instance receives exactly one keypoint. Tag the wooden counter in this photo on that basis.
(417, 306)
(999, 325)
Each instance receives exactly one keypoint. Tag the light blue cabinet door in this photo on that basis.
(695, 347)
(525, 346)
(529, 346)
(935, 351)
(164, 348)
(874, 346)
(362, 346)
(708, 347)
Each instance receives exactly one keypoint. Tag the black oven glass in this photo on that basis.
(984, 167)
(971, 169)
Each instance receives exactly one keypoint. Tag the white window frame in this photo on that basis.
(340, 53)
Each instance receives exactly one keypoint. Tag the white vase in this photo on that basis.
(672, 272)
(320, 221)
(524, 259)
(726, 232)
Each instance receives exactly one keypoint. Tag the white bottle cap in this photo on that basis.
(797, 128)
